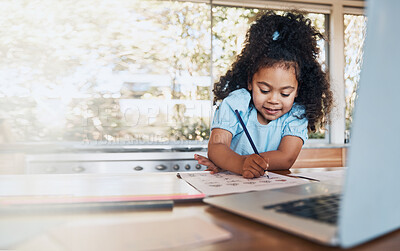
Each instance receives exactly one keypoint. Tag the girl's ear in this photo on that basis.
(249, 86)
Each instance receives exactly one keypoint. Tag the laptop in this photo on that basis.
(367, 204)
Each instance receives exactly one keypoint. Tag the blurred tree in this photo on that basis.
(67, 65)
(188, 128)
(354, 37)
(82, 55)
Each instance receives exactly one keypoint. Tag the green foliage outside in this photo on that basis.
(354, 36)
(65, 76)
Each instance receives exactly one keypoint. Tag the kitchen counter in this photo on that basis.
(107, 157)
(112, 147)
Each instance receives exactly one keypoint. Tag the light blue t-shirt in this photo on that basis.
(265, 137)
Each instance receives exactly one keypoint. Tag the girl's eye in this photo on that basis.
(264, 91)
(285, 95)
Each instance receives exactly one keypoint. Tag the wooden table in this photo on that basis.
(248, 234)
(251, 235)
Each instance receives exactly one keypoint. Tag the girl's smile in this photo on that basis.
(271, 111)
(273, 91)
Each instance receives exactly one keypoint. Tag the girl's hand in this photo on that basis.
(206, 162)
(254, 166)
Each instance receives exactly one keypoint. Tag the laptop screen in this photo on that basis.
(371, 201)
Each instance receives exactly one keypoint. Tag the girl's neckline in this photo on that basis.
(259, 117)
(254, 115)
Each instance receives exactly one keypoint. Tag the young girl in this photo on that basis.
(281, 93)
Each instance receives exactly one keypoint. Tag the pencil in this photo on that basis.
(248, 136)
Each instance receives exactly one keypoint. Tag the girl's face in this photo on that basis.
(273, 90)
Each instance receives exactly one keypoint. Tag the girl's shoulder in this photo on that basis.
(237, 100)
(296, 123)
(241, 93)
(297, 113)
(297, 110)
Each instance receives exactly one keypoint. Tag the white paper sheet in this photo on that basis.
(331, 177)
(227, 182)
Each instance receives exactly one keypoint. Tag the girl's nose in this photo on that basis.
(273, 98)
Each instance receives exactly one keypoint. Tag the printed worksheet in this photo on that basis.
(227, 182)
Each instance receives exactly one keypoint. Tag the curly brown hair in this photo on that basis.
(288, 40)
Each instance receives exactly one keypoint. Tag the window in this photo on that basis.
(354, 36)
(122, 72)
(229, 29)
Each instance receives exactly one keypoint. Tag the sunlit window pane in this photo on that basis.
(99, 70)
(116, 71)
(354, 36)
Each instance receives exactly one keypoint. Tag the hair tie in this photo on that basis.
(275, 36)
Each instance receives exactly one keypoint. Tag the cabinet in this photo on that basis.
(321, 157)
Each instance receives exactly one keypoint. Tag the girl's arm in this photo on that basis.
(286, 155)
(220, 153)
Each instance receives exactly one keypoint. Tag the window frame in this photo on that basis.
(335, 10)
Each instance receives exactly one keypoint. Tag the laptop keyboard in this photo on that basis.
(322, 208)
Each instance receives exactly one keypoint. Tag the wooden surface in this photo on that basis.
(251, 235)
(246, 234)
(321, 157)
